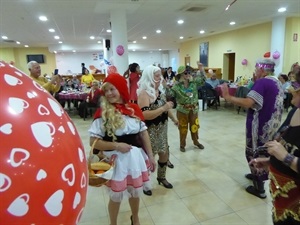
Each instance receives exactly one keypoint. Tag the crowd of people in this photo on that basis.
(132, 123)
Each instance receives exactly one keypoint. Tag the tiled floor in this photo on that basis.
(208, 184)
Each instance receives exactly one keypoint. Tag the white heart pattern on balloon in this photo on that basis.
(43, 177)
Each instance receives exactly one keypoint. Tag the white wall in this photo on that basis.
(72, 61)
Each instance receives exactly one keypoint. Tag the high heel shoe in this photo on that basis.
(164, 182)
(169, 164)
(131, 220)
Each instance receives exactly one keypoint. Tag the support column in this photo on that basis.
(277, 42)
(119, 39)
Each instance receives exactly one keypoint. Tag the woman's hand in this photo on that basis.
(168, 105)
(175, 122)
(152, 164)
(276, 149)
(123, 147)
(225, 92)
(260, 163)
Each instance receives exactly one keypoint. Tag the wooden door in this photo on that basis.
(187, 61)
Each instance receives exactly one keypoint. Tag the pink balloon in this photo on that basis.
(120, 50)
(276, 55)
(244, 62)
(43, 172)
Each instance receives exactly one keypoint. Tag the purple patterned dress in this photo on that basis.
(263, 119)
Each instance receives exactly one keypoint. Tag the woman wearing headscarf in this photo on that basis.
(152, 101)
(119, 130)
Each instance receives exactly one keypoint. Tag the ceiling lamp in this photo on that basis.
(230, 5)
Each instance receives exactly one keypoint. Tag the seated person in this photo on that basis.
(87, 78)
(169, 74)
(75, 82)
(92, 99)
(213, 82)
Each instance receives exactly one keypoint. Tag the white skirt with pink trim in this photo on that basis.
(131, 174)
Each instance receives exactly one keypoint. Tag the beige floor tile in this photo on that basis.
(257, 215)
(229, 219)
(171, 212)
(206, 206)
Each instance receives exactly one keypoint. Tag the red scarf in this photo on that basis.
(124, 110)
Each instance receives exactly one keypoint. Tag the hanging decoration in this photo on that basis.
(120, 50)
(276, 55)
(244, 62)
(267, 55)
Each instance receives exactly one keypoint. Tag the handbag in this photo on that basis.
(100, 170)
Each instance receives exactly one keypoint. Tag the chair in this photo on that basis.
(208, 94)
(241, 92)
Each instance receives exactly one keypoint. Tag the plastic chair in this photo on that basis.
(209, 95)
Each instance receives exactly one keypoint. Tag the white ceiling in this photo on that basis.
(76, 20)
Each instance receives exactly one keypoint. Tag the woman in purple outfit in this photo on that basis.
(265, 107)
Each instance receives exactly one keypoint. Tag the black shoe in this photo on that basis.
(200, 146)
(182, 149)
(249, 176)
(149, 192)
(169, 164)
(252, 190)
(165, 183)
(131, 220)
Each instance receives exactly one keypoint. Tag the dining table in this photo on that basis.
(73, 95)
(231, 90)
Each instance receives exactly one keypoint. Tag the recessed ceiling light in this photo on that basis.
(92, 37)
(74, 51)
(180, 37)
(18, 42)
(26, 46)
(99, 42)
(54, 52)
(60, 42)
(108, 31)
(159, 49)
(43, 18)
(202, 31)
(51, 30)
(134, 42)
(56, 37)
(4, 37)
(232, 23)
(282, 9)
(133, 50)
(144, 37)
(180, 21)
(158, 31)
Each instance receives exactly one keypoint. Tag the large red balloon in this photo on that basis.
(43, 170)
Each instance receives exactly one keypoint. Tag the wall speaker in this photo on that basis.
(107, 44)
